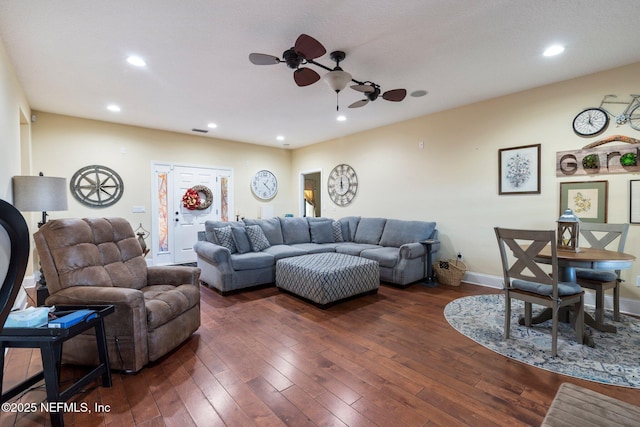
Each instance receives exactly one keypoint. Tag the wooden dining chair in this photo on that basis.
(603, 236)
(526, 280)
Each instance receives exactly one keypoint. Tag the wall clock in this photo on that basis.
(590, 122)
(264, 185)
(342, 184)
(96, 186)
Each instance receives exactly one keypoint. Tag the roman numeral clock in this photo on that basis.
(342, 185)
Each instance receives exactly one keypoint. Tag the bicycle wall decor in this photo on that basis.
(593, 121)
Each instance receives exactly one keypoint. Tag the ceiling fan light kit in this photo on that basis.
(305, 51)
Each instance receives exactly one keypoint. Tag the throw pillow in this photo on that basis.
(321, 232)
(257, 238)
(241, 240)
(224, 238)
(337, 231)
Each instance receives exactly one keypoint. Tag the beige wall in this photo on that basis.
(14, 129)
(64, 144)
(454, 179)
(15, 145)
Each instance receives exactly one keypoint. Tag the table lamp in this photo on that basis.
(40, 194)
(568, 231)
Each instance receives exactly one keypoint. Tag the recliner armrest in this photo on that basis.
(97, 295)
(172, 275)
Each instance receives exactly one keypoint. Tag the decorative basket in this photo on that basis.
(450, 272)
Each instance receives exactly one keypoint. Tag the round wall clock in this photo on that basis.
(342, 184)
(264, 185)
(590, 122)
(96, 186)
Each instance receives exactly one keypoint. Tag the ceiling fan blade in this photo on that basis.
(305, 76)
(359, 104)
(263, 59)
(363, 88)
(395, 95)
(309, 47)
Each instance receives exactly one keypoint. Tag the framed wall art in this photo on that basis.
(519, 170)
(634, 201)
(588, 199)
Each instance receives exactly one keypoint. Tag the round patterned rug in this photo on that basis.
(614, 360)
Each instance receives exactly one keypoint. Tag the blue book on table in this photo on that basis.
(72, 318)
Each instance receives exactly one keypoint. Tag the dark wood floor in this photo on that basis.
(268, 359)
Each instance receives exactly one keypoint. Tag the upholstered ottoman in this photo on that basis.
(327, 278)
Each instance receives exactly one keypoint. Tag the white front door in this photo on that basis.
(187, 222)
(175, 227)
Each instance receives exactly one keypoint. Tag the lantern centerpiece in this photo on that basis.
(568, 231)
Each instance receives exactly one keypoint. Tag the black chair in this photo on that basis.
(13, 223)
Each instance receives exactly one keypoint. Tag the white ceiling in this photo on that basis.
(70, 58)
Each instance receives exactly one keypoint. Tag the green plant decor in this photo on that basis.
(629, 159)
(590, 162)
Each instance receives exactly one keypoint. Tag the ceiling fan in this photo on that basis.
(305, 50)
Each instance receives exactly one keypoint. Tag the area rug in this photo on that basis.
(614, 360)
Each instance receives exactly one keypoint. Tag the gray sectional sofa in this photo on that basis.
(238, 255)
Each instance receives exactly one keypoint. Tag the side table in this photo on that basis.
(428, 262)
(50, 341)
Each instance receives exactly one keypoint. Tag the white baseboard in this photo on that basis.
(627, 305)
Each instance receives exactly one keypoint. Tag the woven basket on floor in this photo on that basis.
(450, 272)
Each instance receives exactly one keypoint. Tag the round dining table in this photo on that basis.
(597, 259)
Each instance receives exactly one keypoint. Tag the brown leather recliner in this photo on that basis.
(98, 261)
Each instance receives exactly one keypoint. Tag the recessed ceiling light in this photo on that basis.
(341, 118)
(212, 125)
(113, 108)
(280, 138)
(419, 93)
(136, 61)
(554, 50)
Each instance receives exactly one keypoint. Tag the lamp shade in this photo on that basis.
(337, 79)
(39, 193)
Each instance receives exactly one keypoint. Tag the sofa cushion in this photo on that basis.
(321, 231)
(251, 260)
(315, 248)
(354, 249)
(210, 226)
(386, 257)
(337, 231)
(166, 302)
(241, 240)
(369, 230)
(270, 227)
(398, 232)
(349, 226)
(295, 230)
(224, 237)
(284, 251)
(257, 238)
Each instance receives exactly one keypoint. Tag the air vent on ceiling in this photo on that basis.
(200, 130)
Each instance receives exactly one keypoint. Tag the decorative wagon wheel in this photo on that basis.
(96, 186)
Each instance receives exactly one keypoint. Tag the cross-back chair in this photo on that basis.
(526, 280)
(603, 236)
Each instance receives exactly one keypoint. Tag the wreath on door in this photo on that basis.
(193, 200)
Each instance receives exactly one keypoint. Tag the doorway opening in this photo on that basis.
(311, 193)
